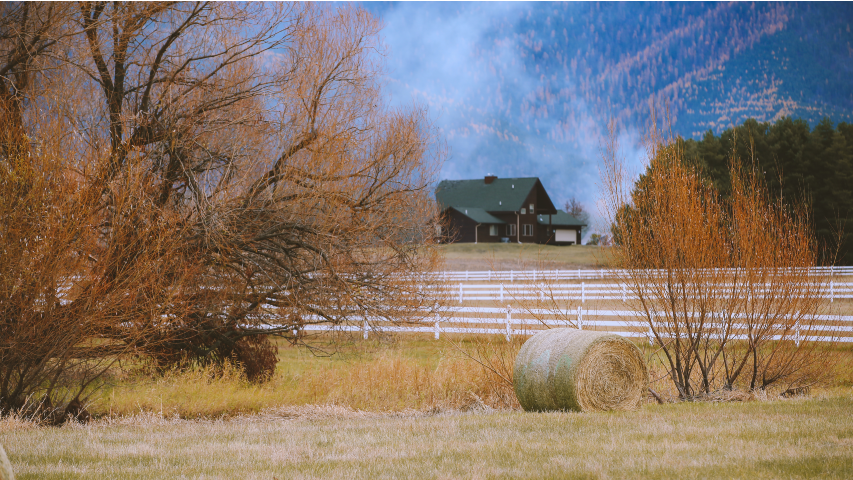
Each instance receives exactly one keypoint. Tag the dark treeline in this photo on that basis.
(801, 164)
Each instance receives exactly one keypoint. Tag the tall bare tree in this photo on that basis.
(239, 171)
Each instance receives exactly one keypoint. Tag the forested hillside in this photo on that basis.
(548, 69)
(526, 89)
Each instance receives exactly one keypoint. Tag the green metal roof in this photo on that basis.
(561, 219)
(478, 215)
(502, 195)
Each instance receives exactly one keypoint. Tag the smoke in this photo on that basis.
(478, 72)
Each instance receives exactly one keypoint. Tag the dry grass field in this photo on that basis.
(404, 374)
(409, 406)
(508, 256)
(414, 407)
(798, 438)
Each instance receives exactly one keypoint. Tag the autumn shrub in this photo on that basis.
(723, 283)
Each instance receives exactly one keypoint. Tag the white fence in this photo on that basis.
(586, 274)
(509, 322)
(538, 288)
(463, 292)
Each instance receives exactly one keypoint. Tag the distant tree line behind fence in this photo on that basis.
(798, 163)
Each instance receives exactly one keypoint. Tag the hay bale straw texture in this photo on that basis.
(569, 369)
(5, 466)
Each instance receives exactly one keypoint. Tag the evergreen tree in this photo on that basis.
(797, 163)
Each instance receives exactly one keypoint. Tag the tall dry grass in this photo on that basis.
(410, 375)
(387, 379)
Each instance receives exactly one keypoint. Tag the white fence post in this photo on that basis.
(580, 317)
(364, 327)
(623, 293)
(831, 291)
(797, 334)
(460, 293)
(510, 276)
(583, 292)
(651, 332)
(508, 322)
(466, 275)
(437, 320)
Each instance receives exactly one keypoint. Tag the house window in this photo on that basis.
(493, 230)
(531, 209)
(523, 210)
(528, 230)
(510, 229)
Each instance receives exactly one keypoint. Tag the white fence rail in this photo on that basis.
(509, 322)
(587, 274)
(500, 292)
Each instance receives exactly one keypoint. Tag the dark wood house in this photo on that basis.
(504, 210)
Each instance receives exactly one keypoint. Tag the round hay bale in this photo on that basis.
(569, 369)
(5, 466)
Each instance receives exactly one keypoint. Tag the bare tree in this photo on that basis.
(70, 298)
(237, 174)
(723, 283)
(577, 209)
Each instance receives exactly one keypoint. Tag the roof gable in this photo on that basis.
(502, 195)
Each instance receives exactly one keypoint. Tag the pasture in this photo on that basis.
(402, 405)
(508, 256)
(409, 406)
(402, 374)
(797, 438)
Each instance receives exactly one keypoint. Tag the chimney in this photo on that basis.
(490, 178)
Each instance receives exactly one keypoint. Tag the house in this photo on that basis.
(496, 209)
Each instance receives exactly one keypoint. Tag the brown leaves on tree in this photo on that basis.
(181, 180)
(724, 283)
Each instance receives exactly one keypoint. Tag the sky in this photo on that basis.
(527, 89)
